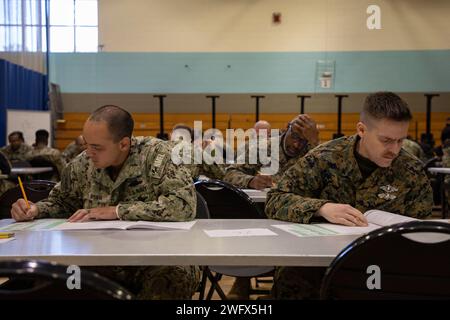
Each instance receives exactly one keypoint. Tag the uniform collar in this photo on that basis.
(352, 165)
(351, 168)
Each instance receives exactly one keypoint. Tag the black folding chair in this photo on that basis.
(36, 190)
(43, 161)
(404, 261)
(202, 208)
(20, 164)
(5, 165)
(202, 213)
(41, 280)
(436, 182)
(227, 202)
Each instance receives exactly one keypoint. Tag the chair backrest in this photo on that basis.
(436, 184)
(20, 164)
(227, 202)
(5, 165)
(433, 162)
(30, 279)
(202, 208)
(42, 161)
(36, 190)
(404, 261)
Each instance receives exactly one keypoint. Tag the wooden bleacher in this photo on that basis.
(147, 124)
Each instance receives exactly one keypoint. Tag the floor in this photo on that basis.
(227, 282)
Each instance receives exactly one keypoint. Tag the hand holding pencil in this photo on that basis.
(22, 209)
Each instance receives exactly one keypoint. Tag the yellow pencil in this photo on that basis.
(5, 235)
(23, 192)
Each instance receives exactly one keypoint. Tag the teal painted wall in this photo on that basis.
(261, 72)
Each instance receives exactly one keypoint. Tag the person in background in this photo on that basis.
(17, 148)
(445, 135)
(414, 148)
(211, 171)
(73, 149)
(262, 125)
(5, 170)
(446, 161)
(300, 136)
(42, 151)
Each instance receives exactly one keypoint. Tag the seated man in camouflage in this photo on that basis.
(126, 178)
(300, 136)
(73, 149)
(446, 164)
(211, 171)
(17, 148)
(41, 151)
(340, 180)
(5, 171)
(414, 148)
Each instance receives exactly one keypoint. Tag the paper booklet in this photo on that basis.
(375, 218)
(62, 224)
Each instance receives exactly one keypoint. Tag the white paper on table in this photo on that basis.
(6, 240)
(254, 232)
(323, 229)
(125, 225)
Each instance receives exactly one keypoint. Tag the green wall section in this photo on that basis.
(244, 72)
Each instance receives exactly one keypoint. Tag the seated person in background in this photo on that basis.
(73, 149)
(414, 148)
(212, 171)
(5, 170)
(445, 135)
(341, 179)
(126, 178)
(262, 125)
(446, 164)
(17, 148)
(301, 136)
(42, 151)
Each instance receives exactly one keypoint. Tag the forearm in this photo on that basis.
(54, 209)
(291, 207)
(240, 176)
(173, 206)
(63, 200)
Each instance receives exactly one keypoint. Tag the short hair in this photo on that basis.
(17, 133)
(42, 136)
(385, 105)
(120, 123)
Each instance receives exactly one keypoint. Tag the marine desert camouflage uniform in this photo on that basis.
(148, 187)
(414, 148)
(330, 173)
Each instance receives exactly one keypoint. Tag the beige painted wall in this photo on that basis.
(245, 25)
